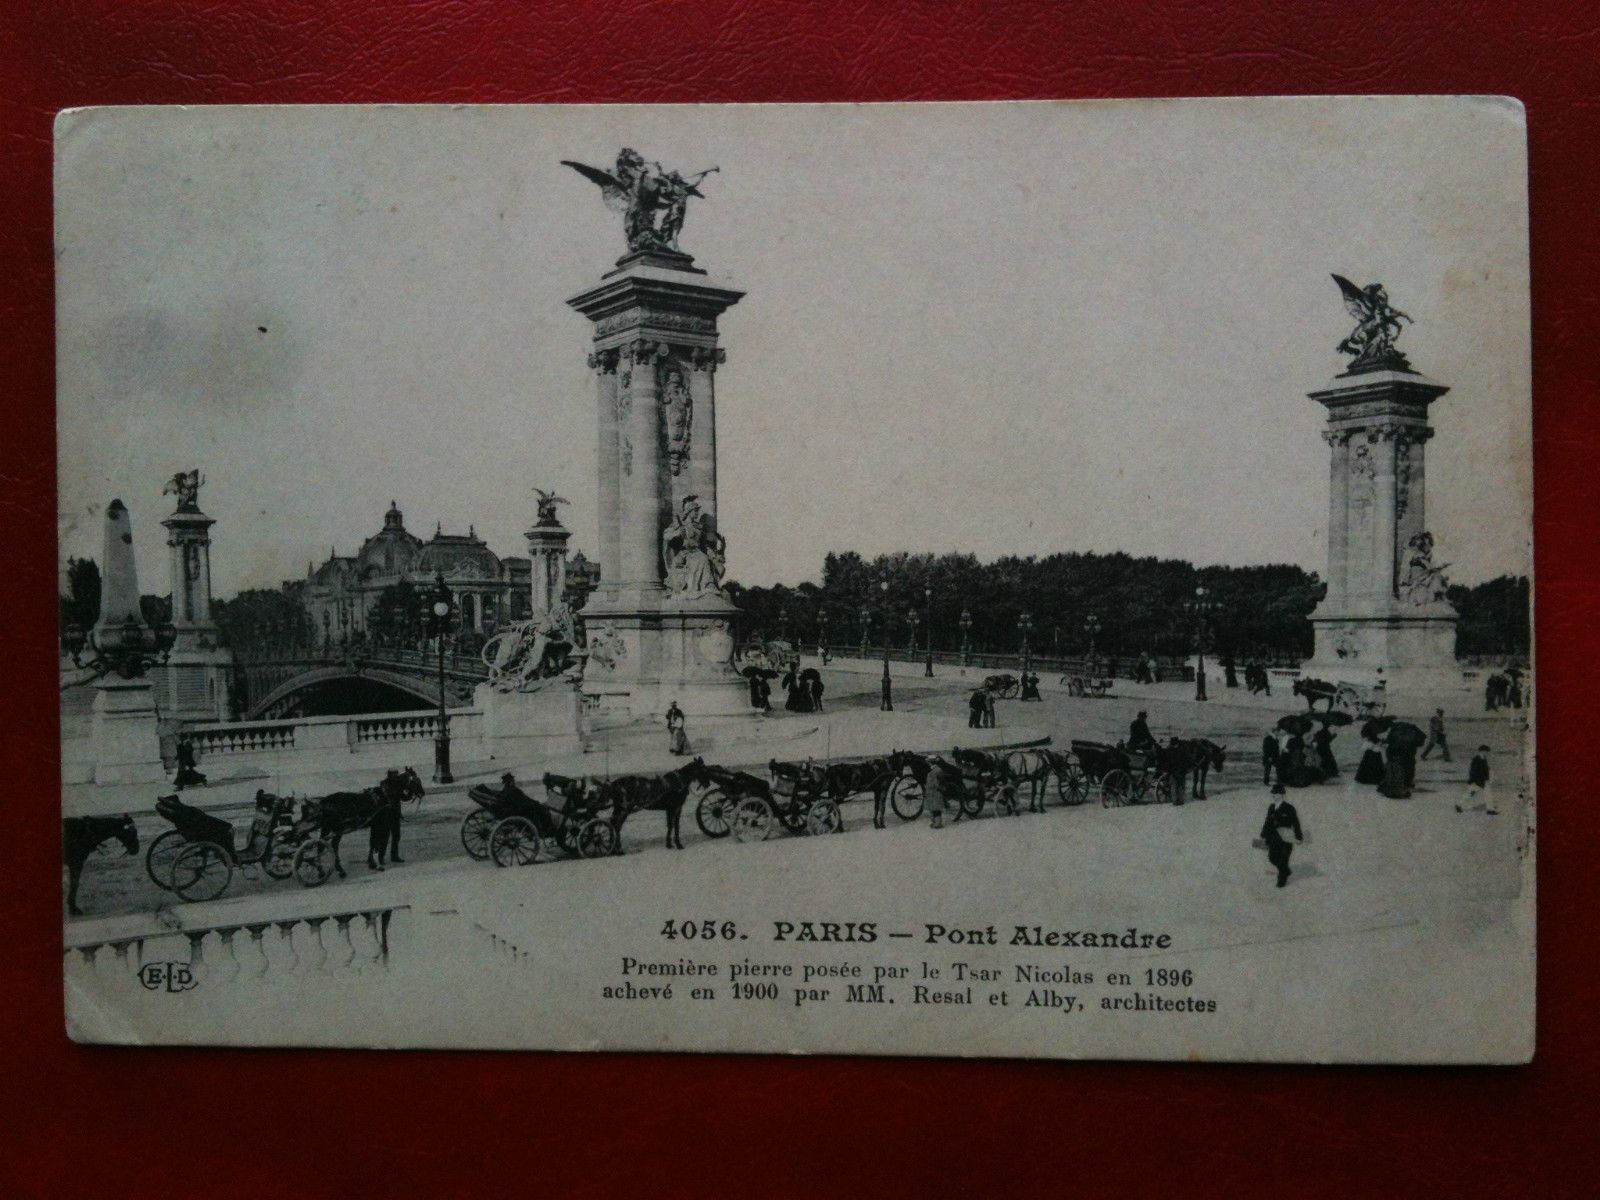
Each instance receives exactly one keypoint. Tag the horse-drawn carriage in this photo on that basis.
(750, 808)
(513, 828)
(1088, 684)
(1123, 776)
(970, 778)
(196, 858)
(1004, 687)
(1362, 703)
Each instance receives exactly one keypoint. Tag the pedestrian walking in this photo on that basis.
(1269, 756)
(1282, 820)
(1436, 736)
(187, 776)
(677, 733)
(1371, 768)
(988, 709)
(1478, 784)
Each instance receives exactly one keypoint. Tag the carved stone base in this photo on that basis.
(1411, 649)
(646, 652)
(523, 725)
(126, 739)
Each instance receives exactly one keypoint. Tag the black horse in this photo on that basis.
(82, 836)
(376, 809)
(1203, 757)
(628, 794)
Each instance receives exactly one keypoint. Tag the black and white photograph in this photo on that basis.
(1020, 579)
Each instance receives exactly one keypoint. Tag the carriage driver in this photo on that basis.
(1140, 739)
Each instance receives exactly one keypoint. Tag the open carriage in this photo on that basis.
(1123, 777)
(971, 779)
(752, 809)
(196, 858)
(511, 828)
(1004, 687)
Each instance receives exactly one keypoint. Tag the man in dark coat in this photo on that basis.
(187, 775)
(1140, 739)
(1269, 757)
(1281, 820)
(1327, 765)
(975, 710)
(383, 836)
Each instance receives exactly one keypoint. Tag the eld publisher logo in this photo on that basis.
(167, 976)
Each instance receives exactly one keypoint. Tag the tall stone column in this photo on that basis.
(197, 673)
(1377, 621)
(547, 553)
(654, 352)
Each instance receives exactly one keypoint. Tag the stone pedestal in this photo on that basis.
(127, 741)
(528, 726)
(1376, 622)
(547, 554)
(655, 355)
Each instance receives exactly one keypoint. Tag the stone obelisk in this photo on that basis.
(1384, 616)
(197, 671)
(659, 627)
(125, 732)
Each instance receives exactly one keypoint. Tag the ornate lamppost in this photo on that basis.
(927, 602)
(822, 631)
(127, 650)
(966, 635)
(440, 613)
(1025, 627)
(866, 625)
(886, 704)
(1200, 607)
(1091, 626)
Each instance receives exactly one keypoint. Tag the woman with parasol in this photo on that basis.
(1293, 770)
(1322, 740)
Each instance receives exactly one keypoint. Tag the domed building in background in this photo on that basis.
(340, 595)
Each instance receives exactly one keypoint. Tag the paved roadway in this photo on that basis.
(115, 884)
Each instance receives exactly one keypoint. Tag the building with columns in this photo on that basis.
(339, 595)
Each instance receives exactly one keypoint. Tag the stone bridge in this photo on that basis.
(277, 684)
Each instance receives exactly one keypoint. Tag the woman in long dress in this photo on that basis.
(1371, 769)
(677, 737)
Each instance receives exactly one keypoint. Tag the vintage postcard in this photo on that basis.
(1037, 579)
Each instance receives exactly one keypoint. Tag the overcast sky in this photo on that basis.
(1002, 328)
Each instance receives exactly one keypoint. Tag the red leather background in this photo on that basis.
(181, 1123)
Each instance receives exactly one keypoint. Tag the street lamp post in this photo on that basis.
(911, 638)
(966, 632)
(822, 631)
(439, 613)
(866, 625)
(1091, 626)
(1025, 626)
(927, 600)
(1200, 606)
(886, 703)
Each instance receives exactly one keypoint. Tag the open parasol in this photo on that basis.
(1332, 718)
(1298, 724)
(1377, 727)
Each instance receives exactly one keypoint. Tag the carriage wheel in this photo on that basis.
(905, 797)
(752, 821)
(971, 801)
(278, 861)
(513, 842)
(1072, 785)
(159, 858)
(567, 836)
(597, 837)
(793, 818)
(202, 871)
(1116, 789)
(1009, 692)
(823, 817)
(714, 814)
(475, 829)
(1166, 789)
(313, 862)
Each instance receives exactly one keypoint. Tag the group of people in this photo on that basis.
(980, 709)
(1295, 763)
(1503, 689)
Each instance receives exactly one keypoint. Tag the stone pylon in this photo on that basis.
(198, 670)
(547, 554)
(1384, 616)
(659, 628)
(125, 730)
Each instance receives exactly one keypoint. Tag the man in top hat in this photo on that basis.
(1282, 820)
